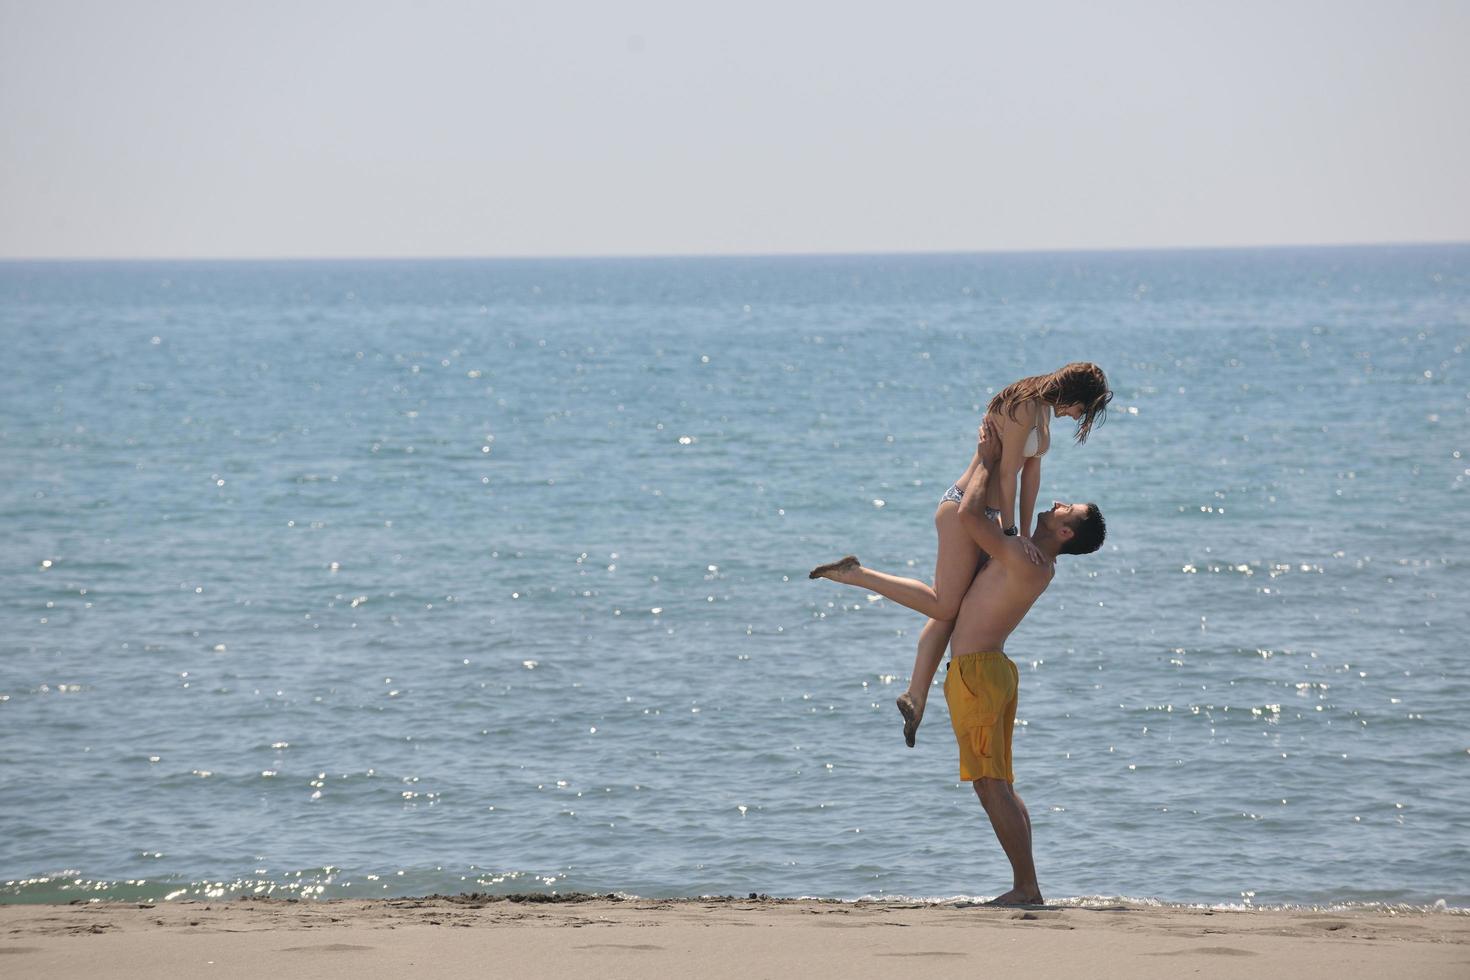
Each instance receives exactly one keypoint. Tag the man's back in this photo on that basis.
(997, 601)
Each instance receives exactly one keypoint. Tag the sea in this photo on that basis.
(326, 579)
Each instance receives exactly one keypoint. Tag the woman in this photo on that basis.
(1023, 411)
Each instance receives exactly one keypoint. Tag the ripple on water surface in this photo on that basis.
(340, 578)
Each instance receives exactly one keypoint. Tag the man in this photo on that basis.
(981, 682)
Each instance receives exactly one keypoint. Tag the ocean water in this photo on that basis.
(381, 578)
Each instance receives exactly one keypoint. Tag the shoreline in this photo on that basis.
(540, 935)
(481, 898)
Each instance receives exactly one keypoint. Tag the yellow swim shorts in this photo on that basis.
(980, 689)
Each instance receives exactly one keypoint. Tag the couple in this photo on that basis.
(989, 572)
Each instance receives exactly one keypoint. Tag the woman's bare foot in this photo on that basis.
(912, 714)
(836, 570)
(1019, 896)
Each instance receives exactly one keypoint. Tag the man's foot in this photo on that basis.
(1019, 896)
(836, 570)
(911, 715)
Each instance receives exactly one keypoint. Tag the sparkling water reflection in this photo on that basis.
(342, 578)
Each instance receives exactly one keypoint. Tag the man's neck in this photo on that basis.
(1048, 546)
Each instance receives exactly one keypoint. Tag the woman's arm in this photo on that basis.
(1030, 484)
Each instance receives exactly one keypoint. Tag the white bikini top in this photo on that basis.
(1033, 437)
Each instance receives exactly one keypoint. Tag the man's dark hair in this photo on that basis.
(1087, 534)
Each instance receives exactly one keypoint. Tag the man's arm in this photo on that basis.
(981, 529)
(1012, 435)
(1030, 484)
(984, 532)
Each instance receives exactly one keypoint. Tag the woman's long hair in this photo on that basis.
(1080, 383)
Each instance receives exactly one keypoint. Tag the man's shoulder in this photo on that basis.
(1017, 558)
(1038, 578)
(1021, 579)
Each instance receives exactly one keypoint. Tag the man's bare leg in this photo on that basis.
(932, 640)
(1024, 812)
(1012, 825)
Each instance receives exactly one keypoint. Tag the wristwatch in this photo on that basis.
(1012, 531)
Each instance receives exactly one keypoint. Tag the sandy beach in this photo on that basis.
(477, 936)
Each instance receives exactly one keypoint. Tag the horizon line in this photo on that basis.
(665, 256)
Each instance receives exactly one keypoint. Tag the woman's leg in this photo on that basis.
(904, 591)
(933, 638)
(954, 570)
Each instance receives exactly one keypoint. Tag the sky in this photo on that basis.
(210, 129)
